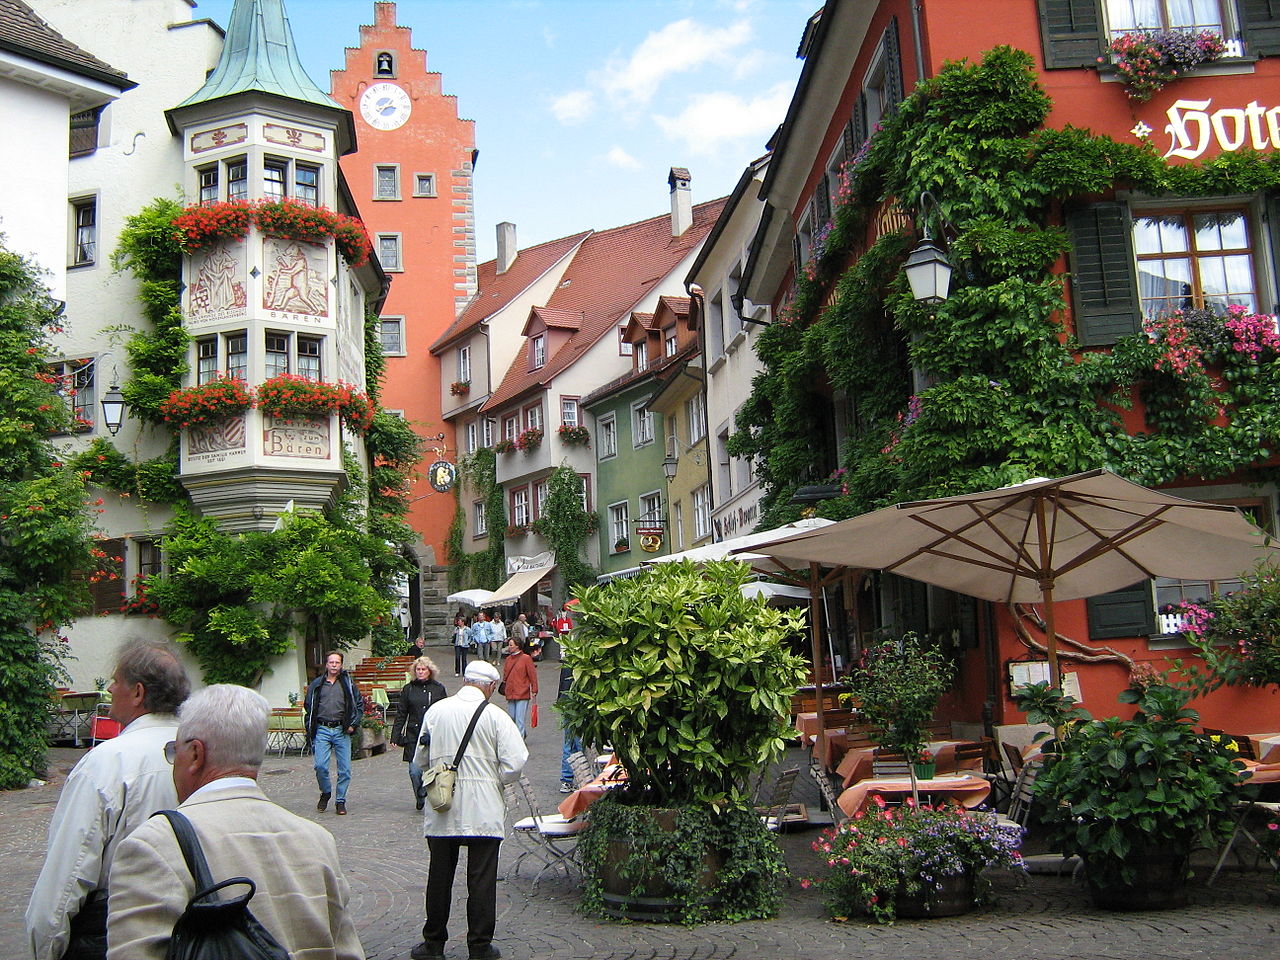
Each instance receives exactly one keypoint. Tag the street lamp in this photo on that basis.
(927, 268)
(669, 465)
(113, 409)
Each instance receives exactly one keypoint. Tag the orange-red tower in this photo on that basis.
(411, 177)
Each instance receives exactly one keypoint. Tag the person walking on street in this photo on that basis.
(111, 792)
(300, 894)
(520, 629)
(333, 707)
(498, 638)
(462, 640)
(482, 634)
(476, 819)
(415, 697)
(519, 683)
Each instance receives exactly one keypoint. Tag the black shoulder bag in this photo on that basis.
(210, 928)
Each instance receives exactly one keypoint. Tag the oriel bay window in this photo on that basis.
(277, 354)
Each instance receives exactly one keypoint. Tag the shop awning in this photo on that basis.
(517, 585)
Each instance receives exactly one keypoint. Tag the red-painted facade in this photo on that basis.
(1185, 115)
(412, 178)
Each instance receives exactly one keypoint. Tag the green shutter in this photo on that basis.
(1070, 33)
(1130, 612)
(1261, 22)
(1103, 287)
(892, 67)
(860, 131)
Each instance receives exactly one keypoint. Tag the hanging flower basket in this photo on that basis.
(219, 399)
(575, 436)
(290, 396)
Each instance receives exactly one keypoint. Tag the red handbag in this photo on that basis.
(533, 715)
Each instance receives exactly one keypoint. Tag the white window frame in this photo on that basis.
(386, 189)
(398, 241)
(642, 355)
(283, 167)
(479, 521)
(695, 411)
(533, 417)
(313, 361)
(570, 412)
(641, 425)
(464, 364)
(208, 183)
(701, 512)
(430, 188)
(398, 322)
(651, 507)
(521, 515)
(541, 491)
(511, 426)
(473, 436)
(271, 367)
(311, 195)
(606, 437)
(488, 426)
(206, 359)
(619, 522)
(538, 351)
(1229, 27)
(677, 522)
(84, 231)
(237, 371)
(585, 491)
(237, 186)
(625, 346)
(670, 342)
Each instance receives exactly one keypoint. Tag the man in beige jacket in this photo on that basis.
(301, 894)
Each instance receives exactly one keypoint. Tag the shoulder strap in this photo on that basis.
(466, 737)
(189, 843)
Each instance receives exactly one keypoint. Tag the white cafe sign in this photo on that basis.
(1193, 125)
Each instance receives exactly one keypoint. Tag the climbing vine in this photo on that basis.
(485, 569)
(1008, 395)
(566, 525)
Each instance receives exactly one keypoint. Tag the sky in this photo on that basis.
(583, 106)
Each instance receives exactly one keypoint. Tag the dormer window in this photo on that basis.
(538, 351)
(669, 342)
(642, 356)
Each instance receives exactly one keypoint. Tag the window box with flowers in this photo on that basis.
(460, 388)
(575, 436)
(201, 225)
(290, 396)
(621, 545)
(530, 439)
(220, 399)
(517, 530)
(1147, 60)
(505, 445)
(140, 602)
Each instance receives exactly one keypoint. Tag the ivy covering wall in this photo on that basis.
(1011, 395)
(484, 569)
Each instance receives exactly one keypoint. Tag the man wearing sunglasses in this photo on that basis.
(110, 793)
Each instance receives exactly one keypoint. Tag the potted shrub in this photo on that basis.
(691, 683)
(896, 688)
(621, 545)
(912, 860)
(1133, 797)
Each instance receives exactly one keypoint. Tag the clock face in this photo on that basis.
(385, 106)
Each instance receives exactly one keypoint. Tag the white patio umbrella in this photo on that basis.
(470, 598)
(1076, 536)
(733, 548)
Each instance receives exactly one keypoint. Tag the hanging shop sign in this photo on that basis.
(442, 475)
(1193, 125)
(650, 538)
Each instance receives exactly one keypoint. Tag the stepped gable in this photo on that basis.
(496, 290)
(611, 272)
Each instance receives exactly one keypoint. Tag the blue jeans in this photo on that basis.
(333, 739)
(459, 660)
(572, 744)
(519, 710)
(415, 778)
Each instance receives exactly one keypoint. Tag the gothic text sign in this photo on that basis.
(1193, 125)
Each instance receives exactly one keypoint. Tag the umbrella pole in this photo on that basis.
(815, 637)
(1051, 638)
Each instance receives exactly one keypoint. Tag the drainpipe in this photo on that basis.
(699, 299)
(915, 34)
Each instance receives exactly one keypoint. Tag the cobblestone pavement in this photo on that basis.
(384, 857)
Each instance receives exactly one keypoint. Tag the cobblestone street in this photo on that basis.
(384, 859)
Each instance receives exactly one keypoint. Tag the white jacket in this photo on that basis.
(495, 755)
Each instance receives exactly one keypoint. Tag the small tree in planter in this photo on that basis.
(897, 688)
(691, 682)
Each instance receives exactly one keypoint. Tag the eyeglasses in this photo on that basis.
(171, 749)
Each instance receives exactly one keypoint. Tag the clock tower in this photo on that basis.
(411, 177)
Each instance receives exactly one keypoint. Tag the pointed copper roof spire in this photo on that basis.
(259, 55)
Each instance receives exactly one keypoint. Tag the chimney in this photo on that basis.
(506, 246)
(681, 201)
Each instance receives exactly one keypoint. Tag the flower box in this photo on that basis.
(204, 224)
(575, 436)
(1147, 60)
(530, 439)
(460, 388)
(291, 396)
(220, 399)
(504, 446)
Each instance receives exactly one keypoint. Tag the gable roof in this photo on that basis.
(553, 319)
(22, 31)
(496, 290)
(611, 272)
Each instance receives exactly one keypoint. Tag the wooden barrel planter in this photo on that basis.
(648, 897)
(1160, 882)
(949, 897)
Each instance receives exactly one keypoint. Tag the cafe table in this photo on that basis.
(968, 791)
(824, 749)
(1266, 746)
(576, 803)
(856, 764)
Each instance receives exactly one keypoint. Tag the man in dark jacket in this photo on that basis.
(334, 707)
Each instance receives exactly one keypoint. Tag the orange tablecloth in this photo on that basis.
(967, 791)
(1260, 773)
(832, 737)
(576, 803)
(856, 764)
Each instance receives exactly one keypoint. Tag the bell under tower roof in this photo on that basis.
(259, 56)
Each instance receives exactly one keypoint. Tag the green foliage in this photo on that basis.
(897, 688)
(688, 680)
(673, 846)
(485, 569)
(1238, 634)
(155, 480)
(375, 361)
(1010, 396)
(44, 527)
(566, 526)
(1115, 789)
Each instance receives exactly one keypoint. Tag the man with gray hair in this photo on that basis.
(112, 790)
(301, 896)
(495, 755)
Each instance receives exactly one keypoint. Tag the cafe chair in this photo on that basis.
(885, 764)
(1243, 833)
(548, 837)
(825, 790)
(777, 811)
(582, 769)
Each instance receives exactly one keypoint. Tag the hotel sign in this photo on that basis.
(1193, 125)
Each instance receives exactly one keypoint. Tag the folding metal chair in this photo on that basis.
(581, 767)
(549, 837)
(826, 791)
(1242, 832)
(101, 726)
(890, 765)
(773, 813)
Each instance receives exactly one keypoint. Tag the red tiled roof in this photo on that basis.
(610, 273)
(496, 290)
(22, 31)
(555, 319)
(643, 319)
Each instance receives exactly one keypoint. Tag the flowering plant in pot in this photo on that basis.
(291, 396)
(911, 860)
(1133, 797)
(204, 224)
(460, 388)
(220, 399)
(1147, 60)
(530, 439)
(578, 436)
(505, 445)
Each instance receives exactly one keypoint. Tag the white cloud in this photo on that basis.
(620, 158)
(574, 106)
(680, 46)
(713, 119)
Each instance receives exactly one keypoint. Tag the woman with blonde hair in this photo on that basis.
(415, 697)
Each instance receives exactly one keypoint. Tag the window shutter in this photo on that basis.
(1273, 229)
(860, 131)
(850, 146)
(107, 593)
(1070, 33)
(823, 198)
(892, 67)
(1103, 288)
(1130, 612)
(1261, 22)
(796, 253)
